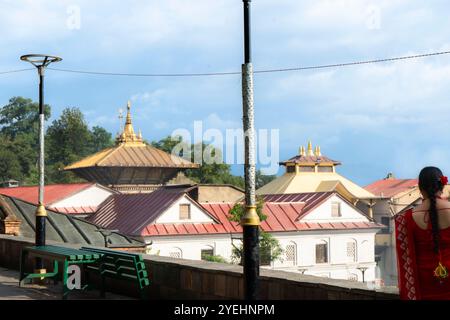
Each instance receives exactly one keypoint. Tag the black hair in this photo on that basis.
(430, 184)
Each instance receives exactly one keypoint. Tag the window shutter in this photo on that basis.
(185, 211)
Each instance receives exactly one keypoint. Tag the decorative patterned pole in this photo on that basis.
(40, 62)
(250, 221)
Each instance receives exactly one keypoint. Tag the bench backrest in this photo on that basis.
(121, 265)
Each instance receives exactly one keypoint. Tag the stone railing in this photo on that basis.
(188, 279)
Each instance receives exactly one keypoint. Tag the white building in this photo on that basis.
(321, 233)
(78, 199)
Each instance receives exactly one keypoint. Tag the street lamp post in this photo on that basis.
(363, 271)
(40, 61)
(250, 221)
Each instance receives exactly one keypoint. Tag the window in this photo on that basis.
(185, 211)
(291, 253)
(325, 169)
(207, 252)
(322, 252)
(290, 169)
(306, 169)
(386, 221)
(176, 253)
(351, 251)
(335, 209)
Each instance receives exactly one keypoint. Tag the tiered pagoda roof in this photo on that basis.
(130, 161)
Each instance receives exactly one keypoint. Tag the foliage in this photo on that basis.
(21, 116)
(269, 247)
(213, 173)
(262, 179)
(214, 258)
(67, 139)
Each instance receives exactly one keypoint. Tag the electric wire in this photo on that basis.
(208, 74)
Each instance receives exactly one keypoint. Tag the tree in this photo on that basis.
(68, 140)
(100, 139)
(9, 165)
(21, 116)
(262, 179)
(219, 173)
(19, 133)
(269, 247)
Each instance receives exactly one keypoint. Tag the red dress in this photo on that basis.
(417, 260)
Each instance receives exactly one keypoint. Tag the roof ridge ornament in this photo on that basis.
(310, 151)
(128, 136)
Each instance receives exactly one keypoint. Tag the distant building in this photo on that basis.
(321, 233)
(9, 183)
(78, 199)
(310, 171)
(393, 196)
(132, 165)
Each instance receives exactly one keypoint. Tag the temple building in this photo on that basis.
(310, 171)
(132, 165)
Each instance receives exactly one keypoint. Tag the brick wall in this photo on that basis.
(188, 279)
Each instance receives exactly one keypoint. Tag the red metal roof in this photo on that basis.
(52, 193)
(391, 187)
(135, 214)
(75, 210)
(132, 213)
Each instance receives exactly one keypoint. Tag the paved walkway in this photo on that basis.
(10, 290)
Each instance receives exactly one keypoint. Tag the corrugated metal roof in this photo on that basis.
(391, 187)
(132, 155)
(135, 214)
(132, 213)
(61, 227)
(52, 192)
(75, 210)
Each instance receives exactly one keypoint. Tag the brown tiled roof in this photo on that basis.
(300, 159)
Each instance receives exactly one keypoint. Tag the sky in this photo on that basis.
(375, 118)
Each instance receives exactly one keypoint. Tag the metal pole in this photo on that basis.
(250, 221)
(41, 213)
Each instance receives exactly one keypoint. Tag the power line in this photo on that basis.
(14, 71)
(336, 65)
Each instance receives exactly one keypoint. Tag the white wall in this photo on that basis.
(91, 196)
(323, 212)
(191, 246)
(338, 266)
(172, 214)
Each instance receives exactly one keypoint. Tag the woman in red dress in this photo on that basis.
(423, 242)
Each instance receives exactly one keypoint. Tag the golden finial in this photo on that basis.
(317, 151)
(310, 151)
(302, 151)
(128, 135)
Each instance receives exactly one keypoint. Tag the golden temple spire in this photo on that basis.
(317, 151)
(310, 151)
(302, 151)
(128, 135)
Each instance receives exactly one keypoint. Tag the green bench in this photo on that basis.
(65, 256)
(119, 265)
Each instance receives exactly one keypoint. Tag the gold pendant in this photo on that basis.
(441, 272)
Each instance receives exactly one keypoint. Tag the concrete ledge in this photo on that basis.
(188, 279)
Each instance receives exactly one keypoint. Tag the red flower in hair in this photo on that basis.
(444, 180)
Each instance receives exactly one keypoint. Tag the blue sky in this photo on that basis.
(376, 119)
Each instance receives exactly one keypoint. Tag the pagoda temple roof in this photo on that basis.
(131, 151)
(310, 158)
